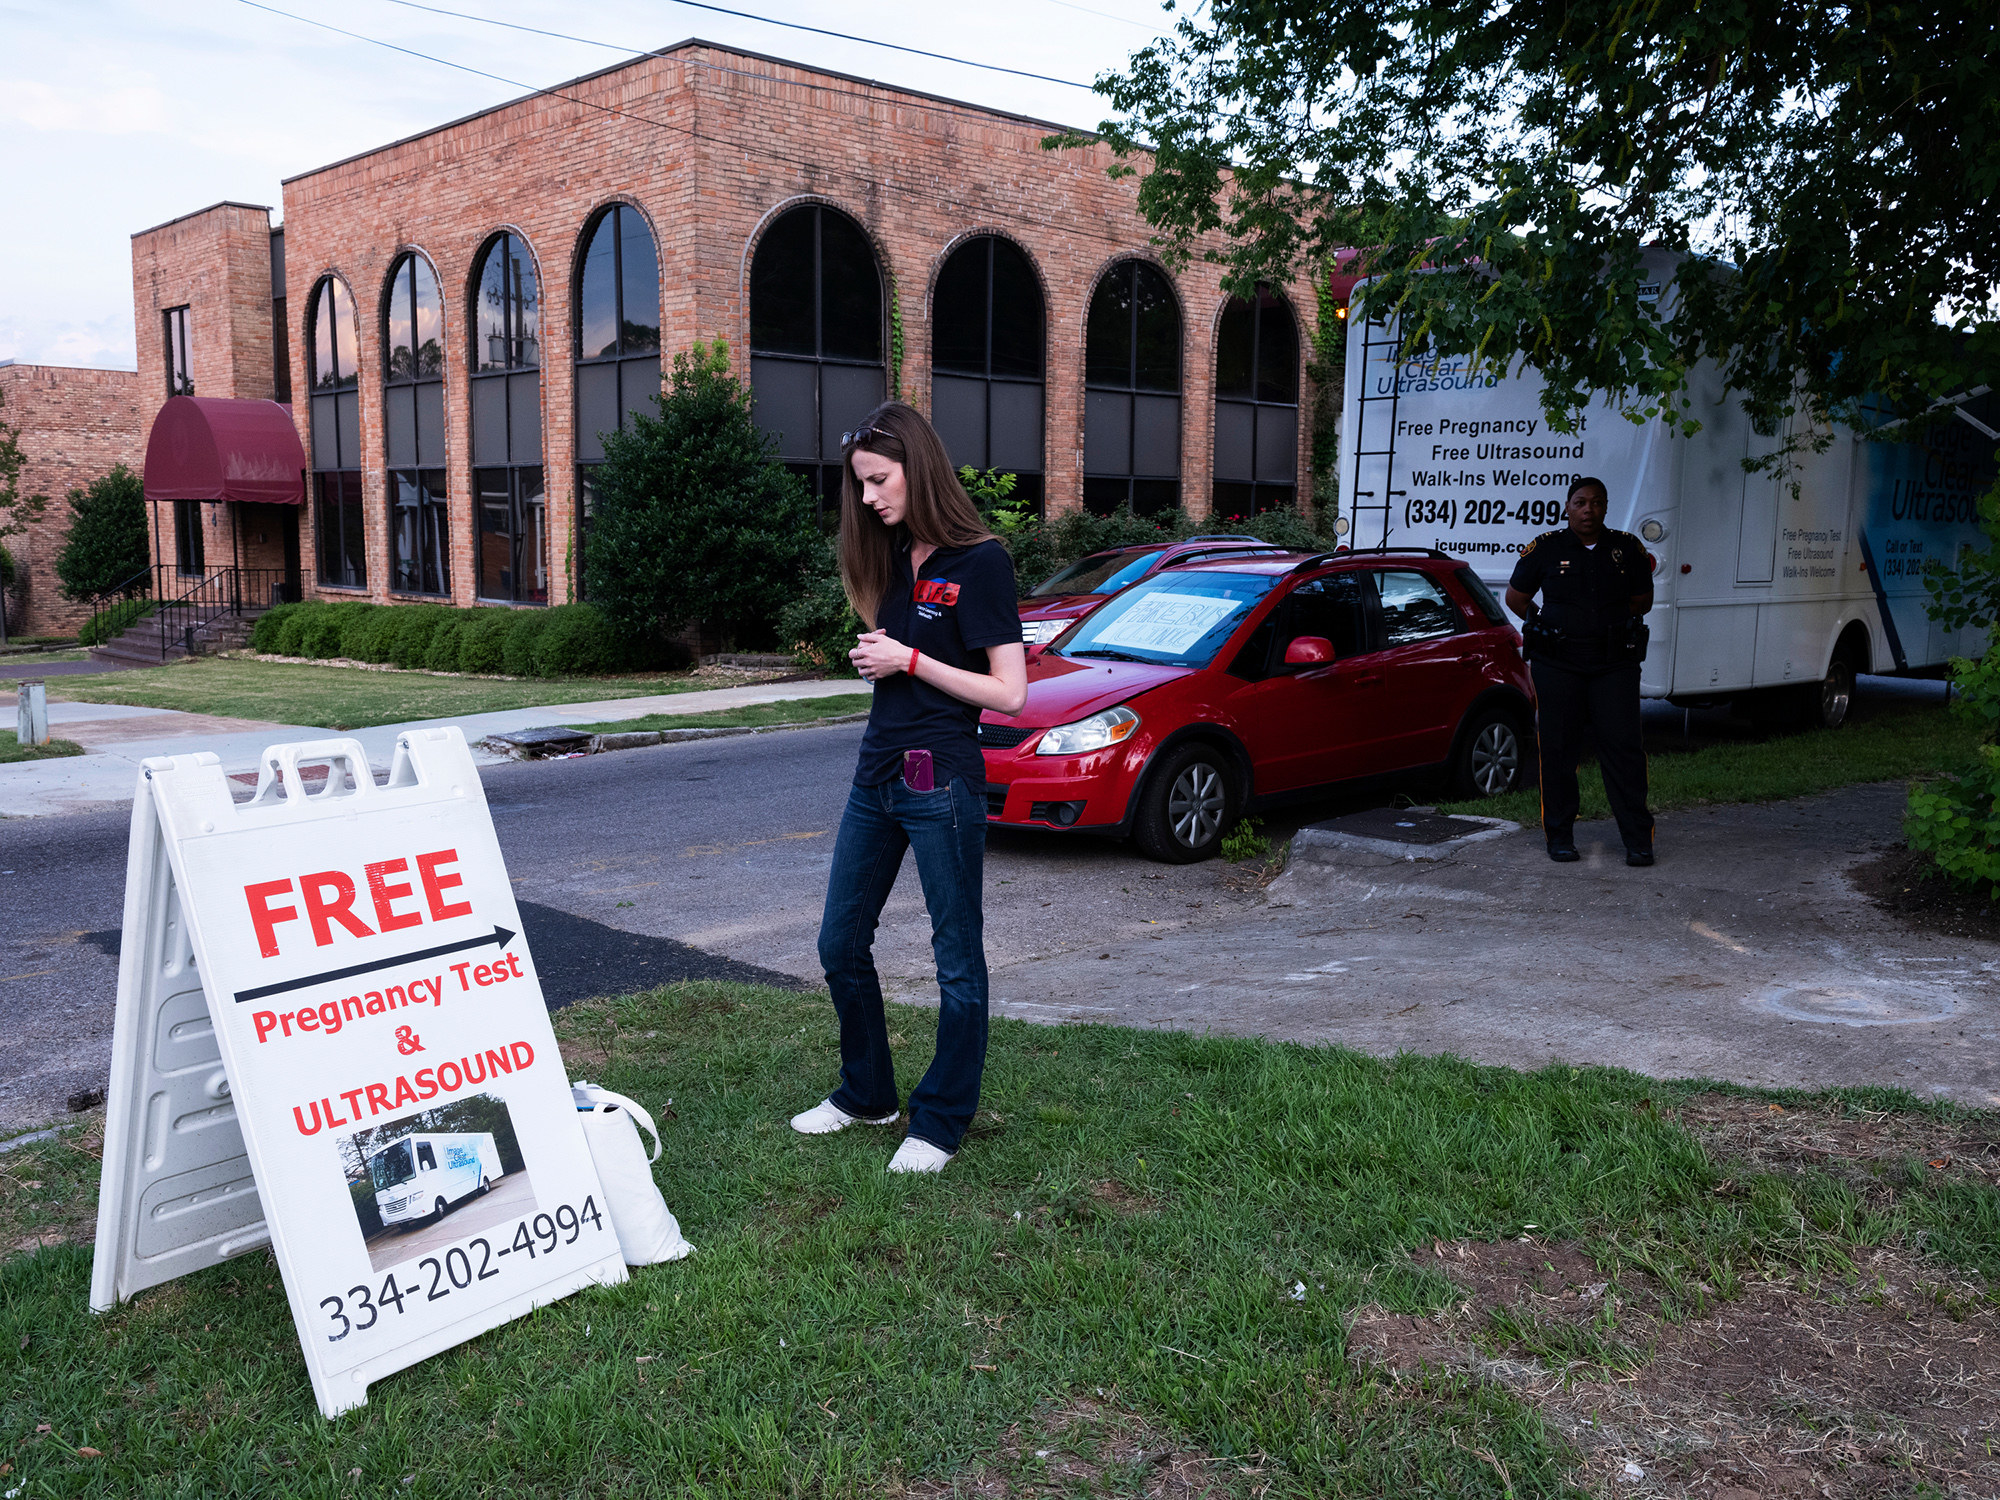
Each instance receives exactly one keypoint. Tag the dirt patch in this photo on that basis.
(1869, 1388)
(1122, 1200)
(1869, 1150)
(1909, 885)
(1089, 1447)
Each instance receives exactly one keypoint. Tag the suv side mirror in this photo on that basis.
(1309, 651)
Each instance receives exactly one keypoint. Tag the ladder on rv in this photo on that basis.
(1372, 502)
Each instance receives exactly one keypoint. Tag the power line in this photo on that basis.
(744, 15)
(929, 199)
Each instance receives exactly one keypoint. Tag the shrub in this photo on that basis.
(121, 617)
(265, 634)
(415, 625)
(361, 630)
(289, 638)
(575, 641)
(441, 651)
(483, 640)
(817, 623)
(106, 544)
(696, 519)
(517, 653)
(325, 632)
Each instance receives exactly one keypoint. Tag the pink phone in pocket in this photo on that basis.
(917, 773)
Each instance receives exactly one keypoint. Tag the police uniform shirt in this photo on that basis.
(963, 603)
(1586, 591)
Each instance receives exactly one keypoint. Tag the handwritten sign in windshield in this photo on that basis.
(1166, 622)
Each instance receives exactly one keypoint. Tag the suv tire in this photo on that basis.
(1189, 803)
(1490, 756)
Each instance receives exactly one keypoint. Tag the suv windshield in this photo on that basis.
(1099, 573)
(1174, 618)
(391, 1167)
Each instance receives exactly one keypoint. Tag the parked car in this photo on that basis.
(1060, 601)
(1229, 683)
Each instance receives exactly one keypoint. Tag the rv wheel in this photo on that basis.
(485, 1187)
(1827, 705)
(441, 1206)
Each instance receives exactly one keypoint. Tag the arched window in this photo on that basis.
(1256, 406)
(617, 341)
(513, 551)
(413, 412)
(815, 339)
(1132, 400)
(333, 377)
(986, 362)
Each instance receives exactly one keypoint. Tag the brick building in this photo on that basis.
(75, 425)
(463, 312)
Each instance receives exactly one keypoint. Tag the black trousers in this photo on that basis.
(1601, 702)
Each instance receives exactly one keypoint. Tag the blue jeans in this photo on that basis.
(947, 829)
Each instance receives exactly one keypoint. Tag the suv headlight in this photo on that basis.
(1040, 632)
(1098, 732)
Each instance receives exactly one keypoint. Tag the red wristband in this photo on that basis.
(913, 661)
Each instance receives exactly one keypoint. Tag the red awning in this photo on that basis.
(205, 448)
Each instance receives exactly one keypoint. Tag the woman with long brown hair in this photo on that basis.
(936, 591)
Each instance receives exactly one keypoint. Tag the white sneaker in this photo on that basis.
(918, 1156)
(826, 1117)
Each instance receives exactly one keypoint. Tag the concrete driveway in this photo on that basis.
(1745, 955)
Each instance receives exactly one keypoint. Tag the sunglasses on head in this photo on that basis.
(849, 439)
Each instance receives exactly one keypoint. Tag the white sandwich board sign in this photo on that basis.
(330, 1036)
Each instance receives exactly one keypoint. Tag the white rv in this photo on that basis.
(1760, 587)
(421, 1176)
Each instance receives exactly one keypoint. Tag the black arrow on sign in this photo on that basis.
(499, 938)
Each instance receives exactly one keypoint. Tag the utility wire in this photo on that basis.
(744, 15)
(975, 211)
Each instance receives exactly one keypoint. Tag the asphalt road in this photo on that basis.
(698, 860)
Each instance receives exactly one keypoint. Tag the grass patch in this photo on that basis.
(1897, 745)
(753, 715)
(1176, 1228)
(11, 749)
(345, 697)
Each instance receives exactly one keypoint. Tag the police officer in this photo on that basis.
(1585, 642)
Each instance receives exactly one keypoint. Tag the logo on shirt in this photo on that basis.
(934, 591)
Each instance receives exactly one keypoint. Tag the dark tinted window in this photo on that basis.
(783, 286)
(1255, 455)
(1482, 596)
(988, 305)
(958, 323)
(416, 328)
(1333, 608)
(507, 320)
(639, 295)
(850, 291)
(333, 336)
(1133, 339)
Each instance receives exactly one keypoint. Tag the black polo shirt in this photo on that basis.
(1586, 591)
(963, 603)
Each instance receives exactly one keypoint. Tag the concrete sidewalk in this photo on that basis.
(117, 738)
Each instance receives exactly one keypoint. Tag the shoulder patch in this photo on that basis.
(1531, 546)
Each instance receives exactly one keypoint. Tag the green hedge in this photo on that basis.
(571, 640)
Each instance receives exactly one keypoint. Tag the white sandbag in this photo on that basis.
(647, 1230)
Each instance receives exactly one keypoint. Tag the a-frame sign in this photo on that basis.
(330, 1037)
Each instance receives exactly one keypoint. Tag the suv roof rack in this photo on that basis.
(1320, 559)
(1227, 537)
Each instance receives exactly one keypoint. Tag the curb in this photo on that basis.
(640, 739)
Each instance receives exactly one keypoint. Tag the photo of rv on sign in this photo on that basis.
(425, 1181)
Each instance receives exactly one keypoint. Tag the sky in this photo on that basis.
(117, 115)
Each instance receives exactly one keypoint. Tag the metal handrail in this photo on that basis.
(186, 608)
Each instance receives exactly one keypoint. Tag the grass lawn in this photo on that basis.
(790, 711)
(1146, 1264)
(344, 697)
(11, 748)
(1897, 744)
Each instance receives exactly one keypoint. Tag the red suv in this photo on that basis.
(1059, 602)
(1223, 683)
